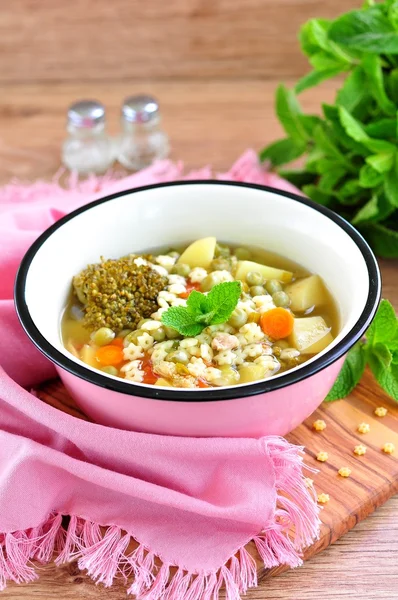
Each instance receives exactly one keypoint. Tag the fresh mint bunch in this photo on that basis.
(379, 351)
(351, 151)
(203, 310)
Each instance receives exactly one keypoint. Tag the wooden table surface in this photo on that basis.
(209, 122)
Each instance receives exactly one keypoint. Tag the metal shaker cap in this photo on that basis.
(140, 109)
(86, 114)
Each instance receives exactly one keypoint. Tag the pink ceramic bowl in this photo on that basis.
(171, 214)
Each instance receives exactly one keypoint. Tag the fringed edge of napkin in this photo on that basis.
(295, 525)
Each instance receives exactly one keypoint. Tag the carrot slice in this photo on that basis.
(190, 287)
(149, 374)
(277, 323)
(202, 384)
(117, 342)
(109, 355)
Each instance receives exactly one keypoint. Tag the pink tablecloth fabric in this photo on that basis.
(84, 491)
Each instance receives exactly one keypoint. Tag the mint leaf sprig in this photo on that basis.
(379, 351)
(203, 310)
(351, 147)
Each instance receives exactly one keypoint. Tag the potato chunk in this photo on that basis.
(251, 372)
(245, 266)
(87, 355)
(307, 292)
(199, 253)
(310, 335)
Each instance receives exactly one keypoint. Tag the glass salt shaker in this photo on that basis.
(88, 148)
(142, 140)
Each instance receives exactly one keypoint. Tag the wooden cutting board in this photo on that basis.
(374, 477)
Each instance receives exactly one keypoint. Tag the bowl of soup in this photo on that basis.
(198, 308)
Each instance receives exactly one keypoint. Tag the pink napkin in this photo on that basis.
(85, 491)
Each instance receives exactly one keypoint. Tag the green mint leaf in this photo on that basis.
(316, 77)
(351, 126)
(384, 128)
(377, 209)
(350, 192)
(332, 116)
(296, 176)
(384, 328)
(372, 67)
(282, 152)
(393, 14)
(327, 61)
(387, 377)
(330, 179)
(289, 111)
(391, 185)
(383, 240)
(349, 375)
(392, 85)
(206, 318)
(181, 319)
(309, 122)
(355, 130)
(353, 90)
(365, 31)
(222, 299)
(381, 162)
(380, 146)
(314, 37)
(383, 354)
(203, 310)
(313, 192)
(325, 165)
(324, 140)
(369, 177)
(368, 212)
(197, 303)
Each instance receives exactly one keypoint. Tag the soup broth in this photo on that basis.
(115, 320)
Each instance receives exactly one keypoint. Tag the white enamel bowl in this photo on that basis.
(173, 214)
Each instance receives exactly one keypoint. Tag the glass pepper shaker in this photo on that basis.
(142, 140)
(88, 148)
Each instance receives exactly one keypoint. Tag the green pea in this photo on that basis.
(243, 254)
(158, 334)
(245, 288)
(174, 254)
(132, 338)
(123, 333)
(110, 370)
(178, 356)
(257, 290)
(171, 333)
(281, 345)
(208, 282)
(254, 278)
(103, 336)
(141, 323)
(181, 269)
(220, 264)
(238, 318)
(221, 250)
(281, 299)
(272, 286)
(254, 317)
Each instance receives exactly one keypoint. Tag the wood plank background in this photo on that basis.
(98, 40)
(214, 65)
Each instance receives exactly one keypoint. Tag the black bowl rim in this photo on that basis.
(209, 394)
